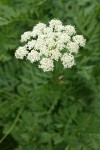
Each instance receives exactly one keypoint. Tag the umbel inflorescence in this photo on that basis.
(47, 44)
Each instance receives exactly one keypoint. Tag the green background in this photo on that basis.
(49, 111)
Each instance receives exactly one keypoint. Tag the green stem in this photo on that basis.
(13, 125)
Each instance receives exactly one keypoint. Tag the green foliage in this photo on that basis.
(49, 111)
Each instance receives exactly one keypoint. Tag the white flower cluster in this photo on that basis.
(47, 44)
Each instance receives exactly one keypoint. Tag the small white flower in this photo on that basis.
(50, 43)
(54, 23)
(38, 29)
(33, 56)
(46, 64)
(40, 26)
(70, 30)
(60, 45)
(47, 31)
(55, 54)
(79, 39)
(31, 44)
(39, 44)
(26, 36)
(34, 33)
(21, 52)
(64, 38)
(45, 52)
(68, 60)
(59, 28)
(73, 47)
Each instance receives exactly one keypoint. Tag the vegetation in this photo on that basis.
(49, 111)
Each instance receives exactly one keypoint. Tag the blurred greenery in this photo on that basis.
(38, 112)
